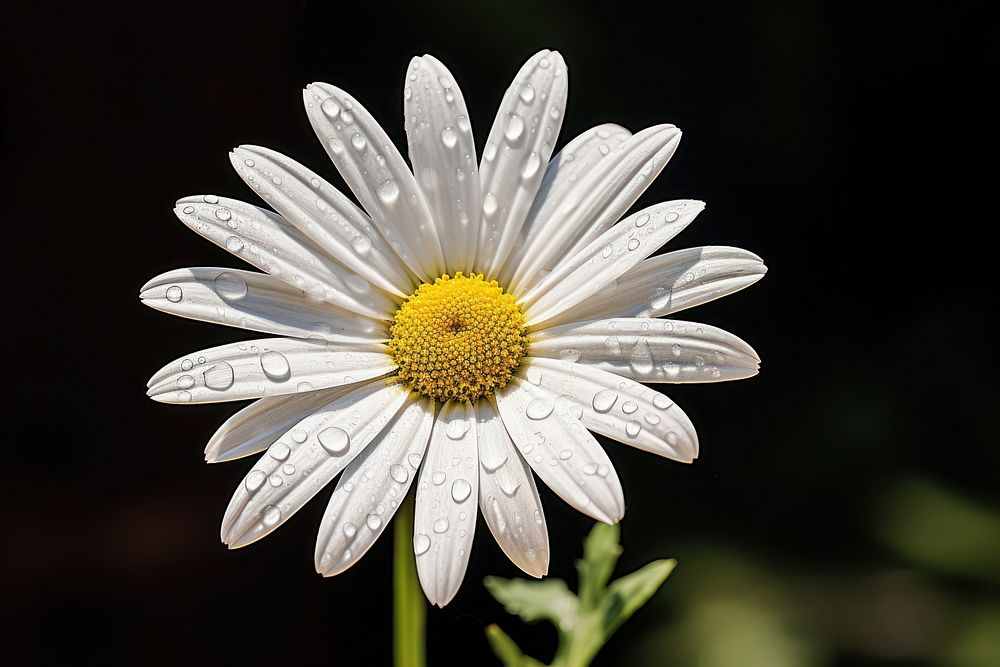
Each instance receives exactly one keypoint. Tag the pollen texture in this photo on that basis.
(459, 338)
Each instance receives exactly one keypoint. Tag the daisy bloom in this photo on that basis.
(469, 324)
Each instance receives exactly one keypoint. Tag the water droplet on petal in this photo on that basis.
(460, 490)
(527, 93)
(490, 204)
(255, 480)
(441, 525)
(449, 137)
(234, 244)
(531, 165)
(672, 216)
(515, 128)
(230, 286)
(374, 521)
(632, 428)
(539, 408)
(279, 451)
(219, 376)
(604, 400)
(398, 473)
(358, 141)
(330, 107)
(439, 477)
(275, 366)
(174, 294)
(628, 407)
(350, 529)
(388, 191)
(421, 543)
(334, 440)
(270, 515)
(414, 460)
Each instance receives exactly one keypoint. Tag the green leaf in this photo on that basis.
(626, 595)
(506, 650)
(534, 600)
(600, 554)
(584, 622)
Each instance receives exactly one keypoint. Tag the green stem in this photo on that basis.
(409, 608)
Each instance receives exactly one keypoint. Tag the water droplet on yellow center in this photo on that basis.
(458, 338)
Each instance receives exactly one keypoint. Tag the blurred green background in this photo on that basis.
(845, 509)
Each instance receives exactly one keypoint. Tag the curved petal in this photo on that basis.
(255, 301)
(303, 461)
(444, 519)
(650, 350)
(266, 367)
(324, 214)
(573, 162)
(272, 245)
(670, 283)
(255, 428)
(443, 154)
(616, 407)
(370, 490)
(561, 451)
(519, 146)
(599, 199)
(378, 175)
(508, 498)
(607, 257)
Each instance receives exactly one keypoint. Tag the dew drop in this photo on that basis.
(249, 162)
(388, 191)
(449, 137)
(457, 428)
(350, 530)
(539, 408)
(460, 490)
(334, 440)
(358, 141)
(230, 286)
(527, 93)
(374, 521)
(275, 366)
(276, 481)
(187, 365)
(174, 294)
(490, 204)
(441, 525)
(642, 220)
(413, 460)
(514, 129)
(270, 515)
(211, 199)
(566, 454)
(279, 451)
(398, 473)
(671, 438)
(604, 400)
(219, 376)
(234, 244)
(421, 543)
(589, 469)
(255, 480)
(330, 107)
(672, 216)
(185, 382)
(188, 210)
(531, 165)
(652, 418)
(438, 478)
(288, 469)
(632, 428)
(570, 354)
(628, 407)
(490, 151)
(633, 244)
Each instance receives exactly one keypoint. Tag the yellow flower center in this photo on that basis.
(458, 338)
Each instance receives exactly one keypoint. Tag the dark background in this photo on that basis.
(845, 509)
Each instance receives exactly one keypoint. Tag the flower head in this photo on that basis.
(466, 328)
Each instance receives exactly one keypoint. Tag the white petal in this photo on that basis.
(650, 350)
(607, 257)
(376, 172)
(616, 407)
(576, 159)
(445, 515)
(304, 460)
(443, 154)
(370, 490)
(255, 301)
(324, 214)
(561, 451)
(272, 245)
(508, 497)
(670, 283)
(266, 367)
(519, 146)
(254, 428)
(598, 199)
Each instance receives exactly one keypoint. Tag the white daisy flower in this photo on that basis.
(468, 325)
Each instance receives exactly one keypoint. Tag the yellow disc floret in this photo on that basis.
(459, 338)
